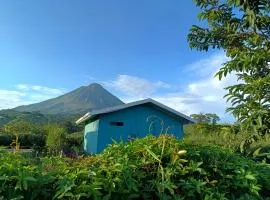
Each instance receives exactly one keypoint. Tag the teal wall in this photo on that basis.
(138, 121)
(91, 136)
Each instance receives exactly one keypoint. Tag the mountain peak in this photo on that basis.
(95, 85)
(78, 101)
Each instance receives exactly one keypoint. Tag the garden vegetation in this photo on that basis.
(148, 168)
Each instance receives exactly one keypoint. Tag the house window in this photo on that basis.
(117, 123)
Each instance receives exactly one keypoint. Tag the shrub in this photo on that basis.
(224, 136)
(25, 140)
(32, 140)
(28, 178)
(147, 168)
(5, 140)
(74, 144)
(56, 138)
(75, 139)
(158, 168)
(227, 136)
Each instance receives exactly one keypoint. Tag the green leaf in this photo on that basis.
(250, 177)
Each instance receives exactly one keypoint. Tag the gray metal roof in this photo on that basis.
(95, 113)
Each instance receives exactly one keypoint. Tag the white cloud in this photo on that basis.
(135, 86)
(22, 87)
(206, 67)
(41, 89)
(9, 98)
(26, 94)
(203, 95)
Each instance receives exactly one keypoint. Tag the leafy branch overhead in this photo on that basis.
(242, 29)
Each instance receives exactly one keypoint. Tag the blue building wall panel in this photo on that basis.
(137, 121)
(91, 136)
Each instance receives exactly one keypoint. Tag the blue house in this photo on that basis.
(127, 121)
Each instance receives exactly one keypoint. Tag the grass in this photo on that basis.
(225, 136)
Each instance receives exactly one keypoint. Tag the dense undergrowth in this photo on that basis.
(230, 137)
(148, 168)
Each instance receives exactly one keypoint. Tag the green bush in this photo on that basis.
(56, 138)
(221, 135)
(5, 140)
(75, 139)
(31, 140)
(230, 137)
(211, 129)
(74, 144)
(148, 168)
(25, 140)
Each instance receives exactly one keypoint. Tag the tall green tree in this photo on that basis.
(242, 29)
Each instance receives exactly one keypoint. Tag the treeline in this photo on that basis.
(206, 118)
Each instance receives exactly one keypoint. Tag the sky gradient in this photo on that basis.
(135, 49)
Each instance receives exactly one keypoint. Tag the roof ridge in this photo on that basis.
(131, 104)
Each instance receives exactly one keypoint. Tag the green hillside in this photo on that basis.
(78, 101)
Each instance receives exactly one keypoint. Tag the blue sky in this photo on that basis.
(136, 49)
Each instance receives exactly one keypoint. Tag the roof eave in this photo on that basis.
(83, 118)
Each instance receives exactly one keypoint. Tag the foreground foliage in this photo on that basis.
(148, 168)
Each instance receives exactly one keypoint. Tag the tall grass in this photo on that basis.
(228, 137)
(222, 136)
